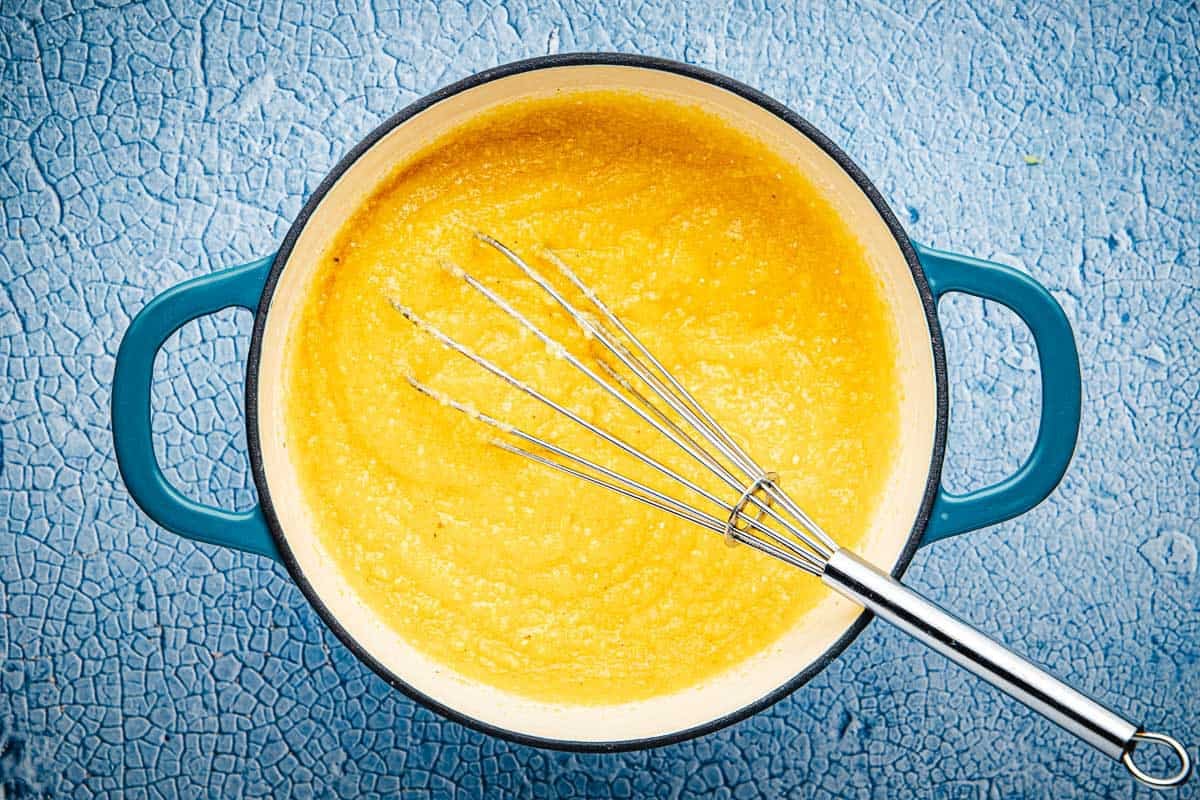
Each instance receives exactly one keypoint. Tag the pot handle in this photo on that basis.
(1058, 361)
(132, 376)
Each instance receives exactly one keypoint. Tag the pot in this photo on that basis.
(915, 509)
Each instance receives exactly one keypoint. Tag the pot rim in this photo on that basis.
(805, 128)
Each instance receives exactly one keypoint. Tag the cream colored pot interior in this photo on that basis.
(727, 693)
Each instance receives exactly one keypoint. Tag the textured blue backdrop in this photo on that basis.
(144, 144)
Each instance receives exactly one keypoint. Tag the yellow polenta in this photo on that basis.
(728, 264)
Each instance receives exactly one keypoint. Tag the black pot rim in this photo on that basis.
(567, 60)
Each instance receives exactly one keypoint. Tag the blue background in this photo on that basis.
(145, 144)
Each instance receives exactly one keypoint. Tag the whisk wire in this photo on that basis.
(595, 329)
(666, 503)
(681, 400)
(561, 351)
(810, 564)
(688, 445)
(719, 436)
(671, 392)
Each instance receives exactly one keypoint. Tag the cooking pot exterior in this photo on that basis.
(253, 286)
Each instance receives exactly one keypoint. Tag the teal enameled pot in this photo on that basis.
(916, 509)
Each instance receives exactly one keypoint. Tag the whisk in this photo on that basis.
(753, 509)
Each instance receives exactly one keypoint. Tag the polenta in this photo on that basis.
(731, 267)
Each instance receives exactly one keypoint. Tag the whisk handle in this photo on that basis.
(928, 622)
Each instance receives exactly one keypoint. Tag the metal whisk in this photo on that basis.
(755, 511)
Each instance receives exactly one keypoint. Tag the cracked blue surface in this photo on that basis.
(145, 144)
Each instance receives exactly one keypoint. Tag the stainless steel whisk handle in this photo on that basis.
(1100, 727)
